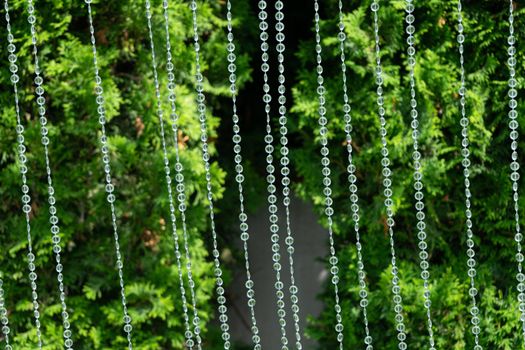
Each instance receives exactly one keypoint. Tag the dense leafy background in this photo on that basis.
(437, 82)
(142, 204)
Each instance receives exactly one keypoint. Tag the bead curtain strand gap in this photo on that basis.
(53, 216)
(465, 152)
(387, 186)
(327, 190)
(352, 179)
(22, 158)
(418, 175)
(190, 343)
(285, 170)
(109, 188)
(270, 178)
(514, 164)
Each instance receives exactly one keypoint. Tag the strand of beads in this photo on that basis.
(418, 175)
(221, 299)
(53, 217)
(3, 318)
(387, 186)
(270, 178)
(464, 122)
(327, 190)
(239, 178)
(514, 165)
(232, 68)
(109, 187)
(285, 170)
(352, 179)
(26, 199)
(188, 332)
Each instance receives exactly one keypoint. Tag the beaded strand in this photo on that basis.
(514, 165)
(418, 175)
(3, 318)
(53, 217)
(327, 190)
(352, 179)
(285, 170)
(26, 199)
(270, 178)
(232, 68)
(109, 187)
(465, 151)
(239, 179)
(188, 332)
(387, 186)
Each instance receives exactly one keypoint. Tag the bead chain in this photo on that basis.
(418, 175)
(188, 332)
(387, 186)
(352, 179)
(221, 299)
(327, 191)
(26, 199)
(53, 218)
(471, 262)
(109, 187)
(514, 165)
(270, 178)
(272, 199)
(285, 170)
(3, 318)
(240, 179)
(232, 68)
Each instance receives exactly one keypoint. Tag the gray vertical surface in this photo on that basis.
(310, 247)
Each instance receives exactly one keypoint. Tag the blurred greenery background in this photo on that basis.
(142, 204)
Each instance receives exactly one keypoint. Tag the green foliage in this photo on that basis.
(142, 203)
(437, 83)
